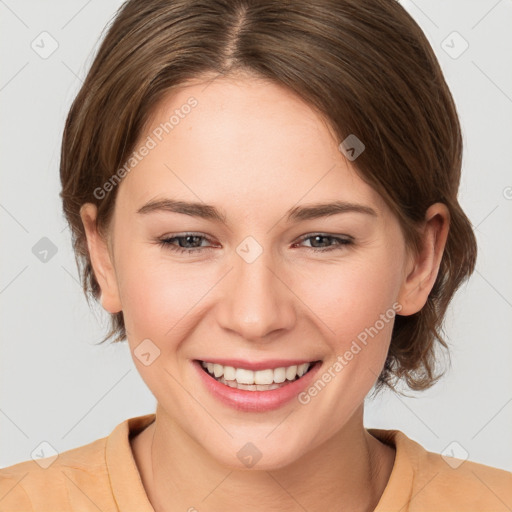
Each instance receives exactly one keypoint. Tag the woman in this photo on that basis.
(263, 195)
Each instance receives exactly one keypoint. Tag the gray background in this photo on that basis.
(56, 386)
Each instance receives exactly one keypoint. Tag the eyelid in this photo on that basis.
(342, 241)
(300, 239)
(327, 235)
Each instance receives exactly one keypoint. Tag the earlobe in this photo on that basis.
(424, 267)
(101, 260)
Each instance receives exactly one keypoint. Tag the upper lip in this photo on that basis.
(258, 365)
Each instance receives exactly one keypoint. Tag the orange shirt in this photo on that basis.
(102, 475)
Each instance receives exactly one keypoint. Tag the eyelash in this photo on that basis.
(167, 243)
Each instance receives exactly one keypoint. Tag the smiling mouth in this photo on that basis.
(259, 380)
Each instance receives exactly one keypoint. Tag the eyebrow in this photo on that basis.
(295, 214)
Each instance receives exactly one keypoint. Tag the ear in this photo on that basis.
(101, 260)
(423, 268)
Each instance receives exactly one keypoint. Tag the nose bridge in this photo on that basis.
(256, 303)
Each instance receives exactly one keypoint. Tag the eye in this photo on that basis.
(320, 238)
(187, 243)
(190, 243)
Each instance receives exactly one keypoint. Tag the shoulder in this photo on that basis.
(81, 479)
(446, 483)
(50, 483)
(13, 497)
(463, 483)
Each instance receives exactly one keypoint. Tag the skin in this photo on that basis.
(254, 149)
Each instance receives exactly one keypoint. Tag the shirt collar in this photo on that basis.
(397, 493)
(125, 480)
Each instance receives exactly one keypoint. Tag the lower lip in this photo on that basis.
(256, 401)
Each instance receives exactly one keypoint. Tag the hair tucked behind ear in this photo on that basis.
(365, 65)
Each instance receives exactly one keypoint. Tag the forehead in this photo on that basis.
(242, 142)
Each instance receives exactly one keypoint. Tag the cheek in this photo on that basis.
(161, 299)
(350, 296)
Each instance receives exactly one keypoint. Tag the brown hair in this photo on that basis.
(365, 65)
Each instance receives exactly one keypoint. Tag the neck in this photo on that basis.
(350, 471)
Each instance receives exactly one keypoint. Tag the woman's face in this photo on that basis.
(253, 287)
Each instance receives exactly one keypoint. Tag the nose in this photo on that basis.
(257, 304)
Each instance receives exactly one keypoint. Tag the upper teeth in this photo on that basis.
(243, 376)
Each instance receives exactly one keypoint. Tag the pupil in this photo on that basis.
(318, 238)
(188, 238)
